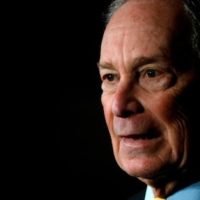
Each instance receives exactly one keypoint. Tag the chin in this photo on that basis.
(145, 169)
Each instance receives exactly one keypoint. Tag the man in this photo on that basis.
(149, 67)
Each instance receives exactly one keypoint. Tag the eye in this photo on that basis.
(151, 73)
(109, 81)
(156, 78)
(109, 77)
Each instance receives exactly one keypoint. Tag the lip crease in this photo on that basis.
(142, 142)
(137, 136)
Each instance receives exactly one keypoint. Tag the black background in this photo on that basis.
(84, 167)
(59, 147)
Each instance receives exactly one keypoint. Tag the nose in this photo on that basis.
(125, 102)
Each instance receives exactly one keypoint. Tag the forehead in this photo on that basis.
(159, 12)
(137, 23)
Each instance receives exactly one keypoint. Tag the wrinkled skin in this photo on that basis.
(145, 90)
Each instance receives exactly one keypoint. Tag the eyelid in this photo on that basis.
(150, 67)
(110, 77)
(103, 72)
(158, 69)
(146, 71)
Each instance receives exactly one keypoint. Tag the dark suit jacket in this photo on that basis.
(139, 196)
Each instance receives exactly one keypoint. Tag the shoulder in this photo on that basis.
(138, 196)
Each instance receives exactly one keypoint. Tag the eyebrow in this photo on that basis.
(104, 66)
(145, 60)
(139, 61)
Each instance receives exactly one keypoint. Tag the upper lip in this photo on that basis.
(136, 127)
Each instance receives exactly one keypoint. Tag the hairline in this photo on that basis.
(194, 21)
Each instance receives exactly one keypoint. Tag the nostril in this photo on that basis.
(125, 101)
(126, 113)
(126, 109)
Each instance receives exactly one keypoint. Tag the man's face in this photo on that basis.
(141, 89)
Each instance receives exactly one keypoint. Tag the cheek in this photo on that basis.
(172, 121)
(106, 103)
(107, 108)
(162, 106)
(177, 138)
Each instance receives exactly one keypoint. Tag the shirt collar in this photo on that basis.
(191, 192)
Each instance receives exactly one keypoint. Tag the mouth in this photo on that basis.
(143, 136)
(141, 142)
(150, 135)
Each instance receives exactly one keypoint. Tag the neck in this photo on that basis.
(165, 186)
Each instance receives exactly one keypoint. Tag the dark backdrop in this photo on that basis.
(85, 166)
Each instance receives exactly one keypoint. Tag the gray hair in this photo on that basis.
(192, 8)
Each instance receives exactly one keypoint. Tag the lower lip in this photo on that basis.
(140, 143)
